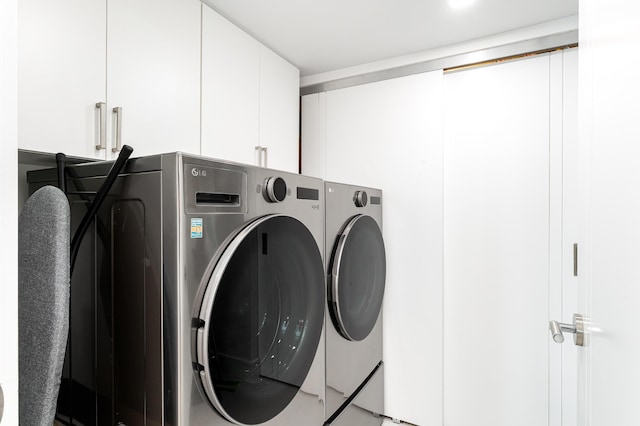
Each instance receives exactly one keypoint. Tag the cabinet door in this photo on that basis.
(61, 75)
(153, 73)
(230, 90)
(279, 110)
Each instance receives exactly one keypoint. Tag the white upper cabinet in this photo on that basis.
(153, 74)
(158, 75)
(144, 57)
(230, 90)
(250, 98)
(279, 110)
(61, 75)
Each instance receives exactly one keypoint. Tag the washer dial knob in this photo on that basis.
(360, 198)
(275, 189)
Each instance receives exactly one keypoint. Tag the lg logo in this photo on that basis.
(196, 172)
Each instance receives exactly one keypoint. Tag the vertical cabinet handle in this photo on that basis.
(265, 157)
(117, 116)
(261, 156)
(102, 125)
(258, 156)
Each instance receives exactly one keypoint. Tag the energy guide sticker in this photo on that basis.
(196, 227)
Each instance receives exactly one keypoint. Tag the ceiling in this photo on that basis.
(321, 36)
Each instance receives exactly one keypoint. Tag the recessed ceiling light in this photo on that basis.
(460, 4)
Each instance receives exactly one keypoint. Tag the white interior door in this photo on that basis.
(610, 135)
(503, 243)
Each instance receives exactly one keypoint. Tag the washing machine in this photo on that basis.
(198, 296)
(356, 272)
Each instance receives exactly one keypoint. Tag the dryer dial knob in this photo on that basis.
(275, 189)
(360, 198)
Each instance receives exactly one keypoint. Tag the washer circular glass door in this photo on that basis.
(261, 319)
(357, 278)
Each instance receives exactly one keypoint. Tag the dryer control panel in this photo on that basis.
(275, 189)
(360, 198)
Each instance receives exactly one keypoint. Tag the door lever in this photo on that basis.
(577, 328)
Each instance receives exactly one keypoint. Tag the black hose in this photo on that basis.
(115, 170)
(60, 162)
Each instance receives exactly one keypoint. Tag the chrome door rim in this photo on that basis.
(207, 306)
(334, 282)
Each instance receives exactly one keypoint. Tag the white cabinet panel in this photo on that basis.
(250, 97)
(313, 128)
(61, 75)
(149, 65)
(230, 90)
(279, 106)
(389, 135)
(9, 214)
(573, 210)
(153, 71)
(497, 245)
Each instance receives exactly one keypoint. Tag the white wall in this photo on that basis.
(8, 212)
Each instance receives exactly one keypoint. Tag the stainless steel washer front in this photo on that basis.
(198, 297)
(356, 274)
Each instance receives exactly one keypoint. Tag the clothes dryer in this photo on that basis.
(356, 272)
(198, 297)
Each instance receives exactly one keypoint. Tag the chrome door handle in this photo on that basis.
(577, 328)
(265, 156)
(117, 111)
(102, 125)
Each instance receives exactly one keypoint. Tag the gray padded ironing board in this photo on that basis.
(43, 308)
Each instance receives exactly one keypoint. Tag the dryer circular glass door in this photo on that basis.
(260, 321)
(357, 278)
